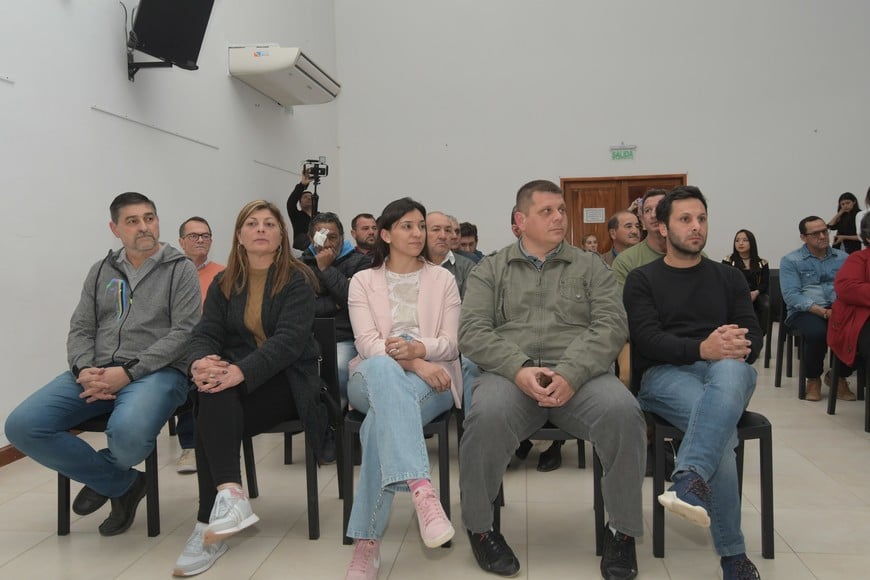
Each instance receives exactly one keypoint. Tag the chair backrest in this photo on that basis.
(324, 334)
(776, 310)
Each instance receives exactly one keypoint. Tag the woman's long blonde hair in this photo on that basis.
(235, 276)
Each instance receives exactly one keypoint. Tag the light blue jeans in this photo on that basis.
(40, 426)
(397, 404)
(345, 351)
(705, 400)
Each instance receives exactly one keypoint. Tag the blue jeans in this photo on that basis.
(345, 351)
(705, 400)
(397, 404)
(184, 429)
(40, 426)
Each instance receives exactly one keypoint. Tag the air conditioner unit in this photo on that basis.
(283, 74)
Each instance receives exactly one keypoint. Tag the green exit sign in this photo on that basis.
(621, 154)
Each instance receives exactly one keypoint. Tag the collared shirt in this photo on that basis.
(203, 265)
(448, 258)
(806, 280)
(539, 264)
(134, 275)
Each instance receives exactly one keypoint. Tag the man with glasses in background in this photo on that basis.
(806, 278)
(194, 237)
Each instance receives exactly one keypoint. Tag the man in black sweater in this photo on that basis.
(695, 335)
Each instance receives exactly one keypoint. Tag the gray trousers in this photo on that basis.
(602, 411)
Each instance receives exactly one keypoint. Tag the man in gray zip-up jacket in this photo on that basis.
(126, 349)
(544, 322)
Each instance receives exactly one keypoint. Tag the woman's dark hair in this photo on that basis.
(864, 232)
(391, 214)
(855, 207)
(754, 260)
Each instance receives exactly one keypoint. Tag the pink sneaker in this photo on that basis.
(365, 561)
(435, 528)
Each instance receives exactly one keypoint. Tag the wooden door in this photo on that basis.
(591, 201)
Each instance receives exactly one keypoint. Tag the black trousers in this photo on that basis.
(222, 420)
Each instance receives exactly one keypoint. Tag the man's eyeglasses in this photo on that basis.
(817, 234)
(195, 237)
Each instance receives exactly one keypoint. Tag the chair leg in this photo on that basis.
(767, 534)
(152, 495)
(832, 393)
(250, 467)
(598, 503)
(789, 352)
(658, 489)
(780, 350)
(311, 481)
(339, 463)
(861, 373)
(496, 508)
(738, 453)
(63, 505)
(444, 472)
(581, 454)
(288, 448)
(347, 459)
(171, 425)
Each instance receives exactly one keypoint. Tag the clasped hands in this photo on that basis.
(727, 341)
(101, 383)
(545, 386)
(212, 374)
(410, 354)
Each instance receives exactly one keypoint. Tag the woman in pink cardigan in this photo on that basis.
(405, 317)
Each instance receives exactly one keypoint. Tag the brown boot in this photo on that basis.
(844, 393)
(814, 390)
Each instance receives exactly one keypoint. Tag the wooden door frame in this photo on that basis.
(569, 200)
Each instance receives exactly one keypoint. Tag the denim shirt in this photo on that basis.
(806, 280)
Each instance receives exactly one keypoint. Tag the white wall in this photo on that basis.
(763, 104)
(62, 162)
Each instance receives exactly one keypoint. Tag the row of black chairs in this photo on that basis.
(752, 426)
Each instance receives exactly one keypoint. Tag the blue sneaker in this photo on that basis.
(738, 567)
(689, 497)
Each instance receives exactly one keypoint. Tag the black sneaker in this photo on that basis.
(493, 554)
(88, 501)
(523, 450)
(551, 459)
(619, 561)
(738, 567)
(124, 508)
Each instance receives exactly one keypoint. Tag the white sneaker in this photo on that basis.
(186, 461)
(197, 557)
(231, 514)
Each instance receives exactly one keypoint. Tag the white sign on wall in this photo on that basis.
(593, 215)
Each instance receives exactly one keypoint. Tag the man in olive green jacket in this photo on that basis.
(544, 321)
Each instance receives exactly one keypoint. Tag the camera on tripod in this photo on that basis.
(316, 168)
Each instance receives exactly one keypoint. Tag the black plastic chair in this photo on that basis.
(98, 425)
(353, 421)
(550, 432)
(861, 371)
(751, 426)
(324, 333)
(786, 336)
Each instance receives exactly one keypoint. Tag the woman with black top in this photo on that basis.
(844, 223)
(744, 257)
(253, 361)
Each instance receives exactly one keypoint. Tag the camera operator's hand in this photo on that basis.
(306, 179)
(325, 257)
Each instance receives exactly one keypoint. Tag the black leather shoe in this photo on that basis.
(88, 501)
(124, 508)
(551, 459)
(327, 452)
(619, 561)
(523, 450)
(493, 554)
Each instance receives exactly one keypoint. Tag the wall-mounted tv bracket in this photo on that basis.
(133, 67)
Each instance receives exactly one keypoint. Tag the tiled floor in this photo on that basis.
(822, 516)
